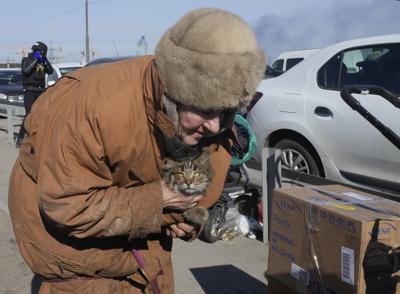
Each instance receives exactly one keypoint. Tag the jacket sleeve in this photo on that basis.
(47, 66)
(76, 190)
(27, 65)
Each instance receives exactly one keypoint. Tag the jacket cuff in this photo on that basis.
(147, 202)
(175, 218)
(172, 218)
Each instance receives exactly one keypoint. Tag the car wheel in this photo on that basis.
(296, 157)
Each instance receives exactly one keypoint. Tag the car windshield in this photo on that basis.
(10, 78)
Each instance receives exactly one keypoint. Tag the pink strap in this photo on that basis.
(140, 260)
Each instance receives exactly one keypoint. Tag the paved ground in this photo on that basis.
(235, 266)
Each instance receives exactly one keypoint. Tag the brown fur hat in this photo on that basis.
(210, 60)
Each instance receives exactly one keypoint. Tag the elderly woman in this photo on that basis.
(88, 205)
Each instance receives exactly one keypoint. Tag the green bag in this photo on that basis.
(244, 149)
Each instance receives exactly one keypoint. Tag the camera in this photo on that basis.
(41, 48)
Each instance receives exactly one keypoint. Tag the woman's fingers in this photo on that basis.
(179, 230)
(176, 200)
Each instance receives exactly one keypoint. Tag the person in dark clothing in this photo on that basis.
(34, 69)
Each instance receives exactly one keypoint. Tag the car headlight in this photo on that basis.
(3, 96)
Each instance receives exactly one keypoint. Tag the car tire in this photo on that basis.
(296, 157)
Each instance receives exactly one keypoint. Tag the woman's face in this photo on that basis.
(195, 124)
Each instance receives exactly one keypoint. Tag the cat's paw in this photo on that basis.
(196, 215)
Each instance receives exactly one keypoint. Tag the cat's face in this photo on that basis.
(188, 177)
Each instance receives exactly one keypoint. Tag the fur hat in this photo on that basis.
(210, 60)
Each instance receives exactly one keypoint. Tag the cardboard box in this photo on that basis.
(275, 287)
(331, 240)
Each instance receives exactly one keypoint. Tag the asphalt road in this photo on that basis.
(234, 266)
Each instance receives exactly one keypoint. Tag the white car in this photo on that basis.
(302, 113)
(61, 69)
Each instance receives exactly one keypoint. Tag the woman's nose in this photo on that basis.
(212, 125)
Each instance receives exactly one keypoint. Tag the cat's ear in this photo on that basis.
(168, 164)
(204, 157)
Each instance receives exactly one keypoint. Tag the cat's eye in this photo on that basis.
(196, 174)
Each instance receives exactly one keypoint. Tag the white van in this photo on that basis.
(287, 60)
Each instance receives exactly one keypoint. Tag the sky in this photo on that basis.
(116, 26)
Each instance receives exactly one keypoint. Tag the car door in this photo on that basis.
(359, 151)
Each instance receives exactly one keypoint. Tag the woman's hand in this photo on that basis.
(180, 230)
(178, 201)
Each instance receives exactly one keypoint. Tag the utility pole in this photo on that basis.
(87, 54)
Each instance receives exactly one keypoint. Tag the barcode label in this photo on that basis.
(300, 274)
(348, 265)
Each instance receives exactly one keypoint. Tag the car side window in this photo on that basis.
(369, 65)
(278, 65)
(328, 76)
(374, 65)
(290, 62)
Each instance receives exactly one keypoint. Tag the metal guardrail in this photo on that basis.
(271, 179)
(10, 114)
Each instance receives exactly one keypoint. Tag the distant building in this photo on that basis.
(141, 48)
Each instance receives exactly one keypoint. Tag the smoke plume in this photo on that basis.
(316, 27)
